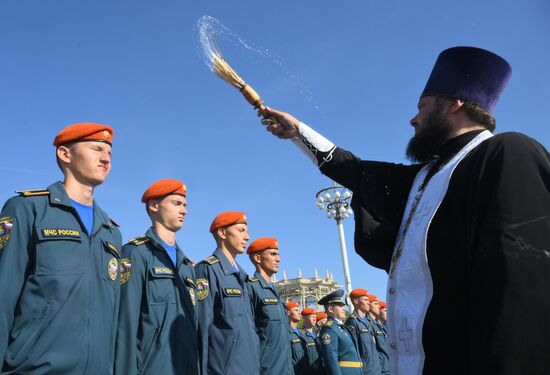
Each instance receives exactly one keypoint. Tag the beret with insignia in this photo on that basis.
(162, 188)
(262, 244)
(84, 131)
(226, 219)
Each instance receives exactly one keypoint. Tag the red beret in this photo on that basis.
(226, 219)
(382, 304)
(262, 244)
(372, 298)
(291, 305)
(162, 188)
(308, 311)
(356, 293)
(321, 315)
(84, 131)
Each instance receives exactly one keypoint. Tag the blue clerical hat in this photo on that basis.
(470, 74)
(335, 297)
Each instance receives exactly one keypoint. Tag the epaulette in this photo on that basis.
(253, 279)
(353, 315)
(115, 223)
(212, 260)
(139, 240)
(33, 193)
(329, 323)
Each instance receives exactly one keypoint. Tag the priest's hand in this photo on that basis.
(280, 124)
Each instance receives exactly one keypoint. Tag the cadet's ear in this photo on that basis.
(221, 233)
(64, 154)
(153, 205)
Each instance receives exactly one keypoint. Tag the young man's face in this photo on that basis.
(383, 314)
(294, 314)
(269, 261)
(374, 308)
(321, 322)
(337, 311)
(309, 321)
(235, 237)
(362, 304)
(170, 211)
(88, 162)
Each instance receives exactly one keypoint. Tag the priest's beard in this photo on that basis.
(425, 144)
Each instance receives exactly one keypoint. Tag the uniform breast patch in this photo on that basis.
(270, 300)
(125, 270)
(202, 289)
(112, 268)
(6, 226)
(59, 233)
(233, 292)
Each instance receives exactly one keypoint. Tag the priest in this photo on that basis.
(463, 232)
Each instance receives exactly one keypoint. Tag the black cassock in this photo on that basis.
(488, 250)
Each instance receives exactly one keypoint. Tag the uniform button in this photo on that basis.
(392, 290)
(393, 345)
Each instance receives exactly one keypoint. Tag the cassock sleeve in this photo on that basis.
(510, 259)
(380, 192)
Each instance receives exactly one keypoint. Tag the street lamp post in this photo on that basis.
(335, 200)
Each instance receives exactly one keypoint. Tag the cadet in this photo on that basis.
(382, 317)
(309, 318)
(297, 340)
(228, 343)
(321, 320)
(381, 335)
(157, 331)
(59, 266)
(338, 349)
(364, 331)
(269, 311)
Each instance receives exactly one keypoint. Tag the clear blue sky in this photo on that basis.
(353, 70)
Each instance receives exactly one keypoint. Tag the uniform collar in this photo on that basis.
(59, 196)
(338, 322)
(262, 281)
(226, 265)
(157, 244)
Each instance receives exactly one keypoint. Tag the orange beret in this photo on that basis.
(356, 293)
(291, 305)
(382, 304)
(88, 131)
(162, 188)
(308, 311)
(226, 219)
(372, 298)
(321, 315)
(262, 244)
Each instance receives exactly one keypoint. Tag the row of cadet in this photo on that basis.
(76, 301)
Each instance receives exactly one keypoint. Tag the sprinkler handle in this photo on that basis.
(253, 98)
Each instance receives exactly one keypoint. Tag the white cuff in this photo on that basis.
(312, 143)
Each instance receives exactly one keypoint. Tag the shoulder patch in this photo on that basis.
(6, 225)
(212, 260)
(326, 338)
(125, 270)
(139, 240)
(114, 223)
(202, 289)
(33, 193)
(253, 279)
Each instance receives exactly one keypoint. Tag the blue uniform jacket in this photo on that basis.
(271, 320)
(228, 343)
(299, 352)
(338, 349)
(157, 332)
(59, 286)
(313, 347)
(382, 346)
(364, 333)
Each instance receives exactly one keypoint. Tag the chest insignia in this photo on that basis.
(233, 292)
(270, 300)
(60, 233)
(125, 270)
(6, 225)
(112, 268)
(202, 289)
(162, 271)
